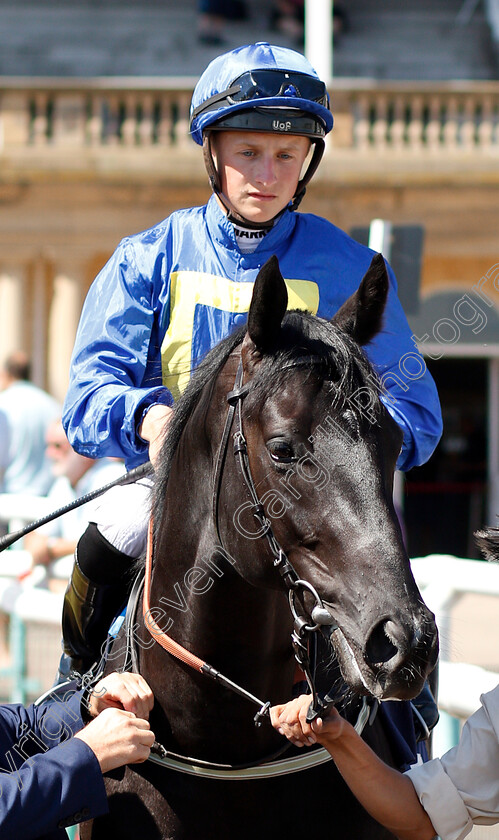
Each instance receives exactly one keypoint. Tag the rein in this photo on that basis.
(302, 627)
(159, 753)
(179, 652)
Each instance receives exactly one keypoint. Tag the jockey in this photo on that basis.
(170, 294)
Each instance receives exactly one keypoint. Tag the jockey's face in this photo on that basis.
(259, 172)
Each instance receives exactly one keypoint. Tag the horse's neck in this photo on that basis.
(239, 630)
(221, 618)
(208, 605)
(209, 608)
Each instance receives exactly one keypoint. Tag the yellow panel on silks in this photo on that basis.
(203, 310)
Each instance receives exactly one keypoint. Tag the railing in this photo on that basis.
(17, 509)
(462, 117)
(30, 615)
(30, 621)
(54, 114)
(93, 113)
(443, 581)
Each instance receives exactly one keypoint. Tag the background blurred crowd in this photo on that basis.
(36, 460)
(286, 17)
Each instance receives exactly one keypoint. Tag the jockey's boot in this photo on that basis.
(97, 590)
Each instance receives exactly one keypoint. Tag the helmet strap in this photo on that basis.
(232, 215)
(236, 219)
(303, 183)
(210, 163)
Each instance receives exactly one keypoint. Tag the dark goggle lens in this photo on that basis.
(259, 84)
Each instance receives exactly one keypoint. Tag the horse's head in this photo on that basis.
(322, 453)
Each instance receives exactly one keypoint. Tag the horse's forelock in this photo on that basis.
(344, 363)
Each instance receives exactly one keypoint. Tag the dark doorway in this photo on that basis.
(444, 499)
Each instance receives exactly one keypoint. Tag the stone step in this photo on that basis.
(418, 39)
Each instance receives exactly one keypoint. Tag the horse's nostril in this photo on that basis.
(382, 643)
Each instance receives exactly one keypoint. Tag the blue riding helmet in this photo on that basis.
(261, 88)
(255, 78)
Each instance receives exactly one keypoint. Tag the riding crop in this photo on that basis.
(128, 478)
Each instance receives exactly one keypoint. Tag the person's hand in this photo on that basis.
(117, 737)
(121, 691)
(44, 550)
(38, 546)
(154, 427)
(290, 719)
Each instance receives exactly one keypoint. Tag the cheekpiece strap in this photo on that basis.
(238, 393)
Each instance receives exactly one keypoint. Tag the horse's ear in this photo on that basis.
(267, 309)
(362, 314)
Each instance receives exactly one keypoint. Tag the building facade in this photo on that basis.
(83, 164)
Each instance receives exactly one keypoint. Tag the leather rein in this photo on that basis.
(304, 626)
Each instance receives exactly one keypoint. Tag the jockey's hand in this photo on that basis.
(118, 737)
(121, 691)
(154, 427)
(290, 719)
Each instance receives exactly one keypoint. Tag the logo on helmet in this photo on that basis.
(281, 126)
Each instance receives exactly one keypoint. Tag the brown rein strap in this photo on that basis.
(155, 630)
(179, 652)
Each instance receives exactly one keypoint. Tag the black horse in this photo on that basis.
(311, 501)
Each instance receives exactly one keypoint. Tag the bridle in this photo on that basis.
(304, 625)
(295, 585)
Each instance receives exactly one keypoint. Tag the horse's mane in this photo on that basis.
(301, 335)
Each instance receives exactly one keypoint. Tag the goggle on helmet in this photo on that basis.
(267, 100)
(280, 94)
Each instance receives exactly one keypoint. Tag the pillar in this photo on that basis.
(63, 320)
(12, 310)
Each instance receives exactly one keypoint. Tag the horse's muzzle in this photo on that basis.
(396, 659)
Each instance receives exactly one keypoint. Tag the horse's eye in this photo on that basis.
(281, 450)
